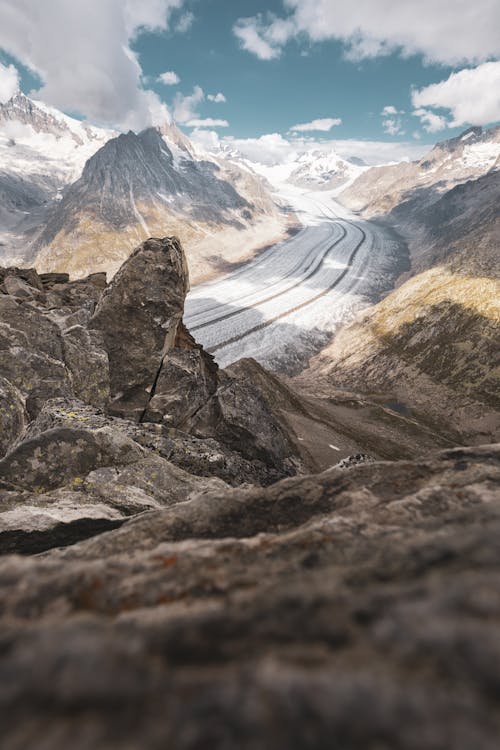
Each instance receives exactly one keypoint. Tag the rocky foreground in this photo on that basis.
(186, 562)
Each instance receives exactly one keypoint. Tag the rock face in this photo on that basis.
(109, 406)
(139, 329)
(12, 415)
(354, 607)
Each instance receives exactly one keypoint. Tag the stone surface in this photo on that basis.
(356, 609)
(199, 456)
(13, 416)
(138, 316)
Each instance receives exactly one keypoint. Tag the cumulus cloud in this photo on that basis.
(431, 122)
(444, 31)
(80, 50)
(264, 37)
(269, 149)
(9, 82)
(390, 109)
(323, 125)
(217, 98)
(208, 122)
(472, 96)
(186, 107)
(207, 139)
(391, 120)
(169, 78)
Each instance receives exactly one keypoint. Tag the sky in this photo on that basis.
(380, 79)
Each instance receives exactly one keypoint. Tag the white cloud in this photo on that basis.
(217, 98)
(260, 38)
(186, 107)
(169, 78)
(431, 122)
(393, 126)
(445, 31)
(207, 139)
(208, 122)
(323, 125)
(391, 120)
(185, 22)
(471, 95)
(269, 149)
(9, 82)
(81, 52)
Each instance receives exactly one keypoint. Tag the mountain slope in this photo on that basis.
(144, 185)
(41, 151)
(432, 345)
(156, 182)
(416, 184)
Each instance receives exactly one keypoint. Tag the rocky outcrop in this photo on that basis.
(138, 317)
(357, 607)
(110, 407)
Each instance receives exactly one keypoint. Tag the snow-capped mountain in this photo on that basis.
(446, 202)
(468, 156)
(312, 169)
(324, 170)
(79, 199)
(41, 151)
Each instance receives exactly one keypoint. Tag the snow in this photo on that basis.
(286, 304)
(481, 155)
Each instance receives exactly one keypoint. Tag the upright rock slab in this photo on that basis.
(13, 416)
(138, 315)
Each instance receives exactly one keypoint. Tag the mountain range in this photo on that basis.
(79, 199)
(432, 344)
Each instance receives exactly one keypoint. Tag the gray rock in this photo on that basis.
(18, 288)
(186, 381)
(37, 376)
(88, 363)
(355, 460)
(204, 457)
(360, 606)
(54, 458)
(138, 315)
(240, 416)
(13, 415)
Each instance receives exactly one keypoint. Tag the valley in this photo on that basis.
(281, 307)
(249, 375)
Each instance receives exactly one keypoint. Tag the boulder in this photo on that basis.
(186, 381)
(138, 316)
(239, 416)
(87, 360)
(203, 457)
(54, 458)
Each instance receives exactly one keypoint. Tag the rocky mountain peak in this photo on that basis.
(28, 112)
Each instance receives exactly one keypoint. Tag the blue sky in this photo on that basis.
(308, 81)
(396, 73)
